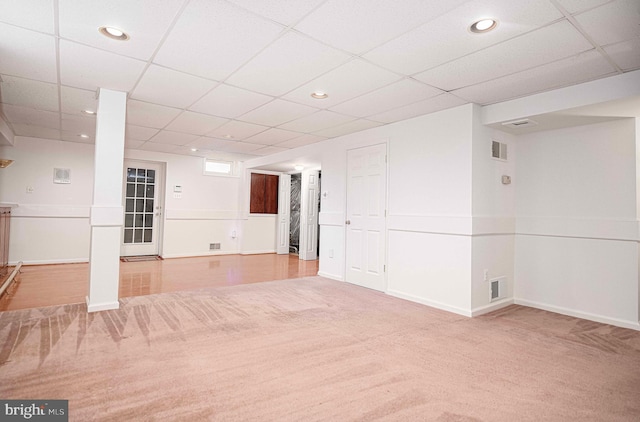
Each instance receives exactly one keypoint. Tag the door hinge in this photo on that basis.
(384, 268)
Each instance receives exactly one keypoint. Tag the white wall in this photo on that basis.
(576, 245)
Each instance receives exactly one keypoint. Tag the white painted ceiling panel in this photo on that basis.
(612, 23)
(168, 87)
(196, 123)
(173, 138)
(347, 128)
(213, 38)
(243, 147)
(79, 124)
(343, 83)
(277, 112)
(17, 114)
(150, 146)
(75, 100)
(33, 14)
(29, 93)
(392, 96)
(301, 141)
(625, 54)
(430, 105)
(27, 54)
(449, 37)
(139, 133)
(150, 115)
(145, 21)
(90, 68)
(583, 67)
(210, 143)
(527, 51)
(272, 136)
(132, 144)
(73, 137)
(286, 12)
(574, 6)
(21, 129)
(287, 63)
(268, 150)
(359, 25)
(317, 121)
(237, 130)
(229, 101)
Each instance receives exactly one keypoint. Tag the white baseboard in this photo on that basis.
(634, 325)
(258, 252)
(51, 261)
(330, 276)
(491, 307)
(194, 255)
(104, 306)
(431, 303)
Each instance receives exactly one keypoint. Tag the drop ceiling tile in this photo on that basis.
(348, 81)
(150, 146)
(581, 68)
(237, 130)
(301, 141)
(529, 50)
(33, 14)
(574, 6)
(287, 63)
(139, 133)
(213, 38)
(243, 147)
(90, 68)
(173, 138)
(272, 136)
(75, 100)
(145, 21)
(150, 115)
(27, 54)
(358, 25)
(276, 113)
(228, 101)
(73, 137)
(196, 123)
(317, 121)
(79, 124)
(21, 129)
(625, 54)
(213, 144)
(449, 38)
(268, 150)
(29, 93)
(285, 12)
(430, 105)
(347, 128)
(133, 144)
(168, 87)
(392, 96)
(614, 22)
(30, 116)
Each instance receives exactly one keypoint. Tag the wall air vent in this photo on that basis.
(499, 150)
(498, 288)
(214, 246)
(520, 123)
(61, 176)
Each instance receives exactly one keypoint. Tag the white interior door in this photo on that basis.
(366, 225)
(309, 201)
(284, 213)
(143, 182)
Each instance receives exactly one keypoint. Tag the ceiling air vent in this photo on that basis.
(520, 123)
(499, 150)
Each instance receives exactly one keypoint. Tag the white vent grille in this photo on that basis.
(214, 246)
(499, 150)
(61, 175)
(520, 123)
(498, 288)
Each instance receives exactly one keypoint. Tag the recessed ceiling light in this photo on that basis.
(298, 167)
(90, 112)
(194, 149)
(319, 95)
(227, 136)
(483, 25)
(113, 33)
(84, 136)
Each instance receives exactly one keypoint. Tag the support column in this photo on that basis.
(106, 209)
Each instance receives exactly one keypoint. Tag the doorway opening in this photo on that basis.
(295, 215)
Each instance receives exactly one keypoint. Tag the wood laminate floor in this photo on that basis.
(45, 285)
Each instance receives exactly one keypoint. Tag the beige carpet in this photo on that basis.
(315, 349)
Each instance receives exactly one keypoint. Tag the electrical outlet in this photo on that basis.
(330, 253)
(486, 274)
(29, 189)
